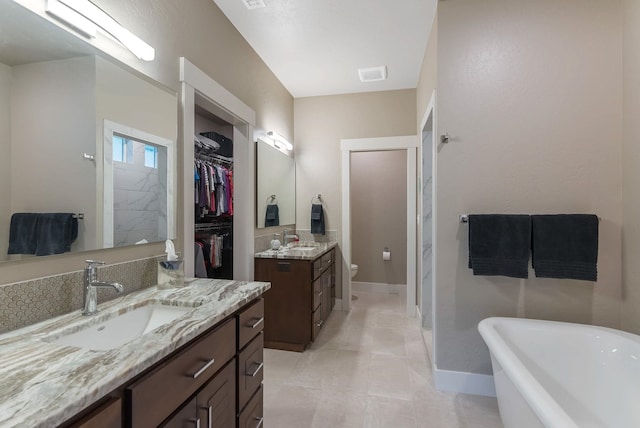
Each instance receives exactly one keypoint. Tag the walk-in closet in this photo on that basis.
(213, 196)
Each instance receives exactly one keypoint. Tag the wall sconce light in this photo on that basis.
(87, 18)
(277, 138)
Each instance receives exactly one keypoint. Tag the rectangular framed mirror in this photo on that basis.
(275, 187)
(57, 92)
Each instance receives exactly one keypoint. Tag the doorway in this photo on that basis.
(408, 144)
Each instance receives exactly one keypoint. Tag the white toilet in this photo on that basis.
(354, 270)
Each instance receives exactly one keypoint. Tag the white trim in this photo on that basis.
(408, 143)
(197, 78)
(338, 304)
(198, 86)
(463, 382)
(109, 129)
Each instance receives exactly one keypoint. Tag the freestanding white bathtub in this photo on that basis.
(556, 375)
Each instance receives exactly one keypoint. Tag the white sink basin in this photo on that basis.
(303, 248)
(121, 328)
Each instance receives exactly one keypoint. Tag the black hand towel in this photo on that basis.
(317, 219)
(565, 246)
(23, 237)
(56, 233)
(499, 244)
(272, 217)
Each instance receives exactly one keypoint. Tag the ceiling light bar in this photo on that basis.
(78, 12)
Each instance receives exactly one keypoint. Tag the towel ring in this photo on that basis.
(318, 197)
(271, 198)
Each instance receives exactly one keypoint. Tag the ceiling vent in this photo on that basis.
(254, 4)
(373, 74)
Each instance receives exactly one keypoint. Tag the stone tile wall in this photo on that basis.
(28, 302)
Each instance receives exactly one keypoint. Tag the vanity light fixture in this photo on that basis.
(87, 18)
(279, 140)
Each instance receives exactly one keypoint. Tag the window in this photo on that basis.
(150, 156)
(122, 149)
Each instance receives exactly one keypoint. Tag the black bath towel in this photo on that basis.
(565, 246)
(42, 234)
(56, 233)
(317, 219)
(272, 217)
(499, 244)
(23, 233)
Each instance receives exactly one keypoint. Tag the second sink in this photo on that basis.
(121, 328)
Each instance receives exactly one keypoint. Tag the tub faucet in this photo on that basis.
(91, 284)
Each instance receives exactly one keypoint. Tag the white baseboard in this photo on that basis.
(338, 305)
(418, 314)
(377, 287)
(463, 382)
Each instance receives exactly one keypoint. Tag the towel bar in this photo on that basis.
(464, 218)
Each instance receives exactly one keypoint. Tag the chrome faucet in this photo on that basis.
(91, 284)
(286, 237)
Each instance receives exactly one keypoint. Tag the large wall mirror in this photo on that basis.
(83, 134)
(275, 186)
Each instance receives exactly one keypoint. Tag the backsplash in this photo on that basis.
(263, 242)
(28, 302)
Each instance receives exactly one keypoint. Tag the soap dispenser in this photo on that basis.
(275, 242)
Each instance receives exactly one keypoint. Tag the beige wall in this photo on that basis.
(631, 169)
(202, 34)
(52, 126)
(531, 95)
(320, 124)
(429, 72)
(379, 215)
(5, 159)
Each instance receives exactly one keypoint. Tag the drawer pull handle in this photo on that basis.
(320, 323)
(258, 322)
(256, 371)
(207, 364)
(320, 293)
(260, 421)
(195, 421)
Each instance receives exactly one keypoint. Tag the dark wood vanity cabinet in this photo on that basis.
(208, 383)
(107, 414)
(300, 300)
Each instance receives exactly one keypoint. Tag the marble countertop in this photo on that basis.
(43, 384)
(312, 251)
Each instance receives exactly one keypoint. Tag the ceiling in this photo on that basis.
(315, 47)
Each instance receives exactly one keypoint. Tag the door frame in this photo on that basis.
(199, 88)
(410, 144)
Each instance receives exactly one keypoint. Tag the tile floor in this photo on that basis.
(368, 368)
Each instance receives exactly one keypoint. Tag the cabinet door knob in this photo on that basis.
(257, 370)
(207, 364)
(320, 323)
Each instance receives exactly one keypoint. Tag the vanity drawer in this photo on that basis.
(250, 323)
(250, 370)
(318, 291)
(322, 263)
(152, 398)
(252, 416)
